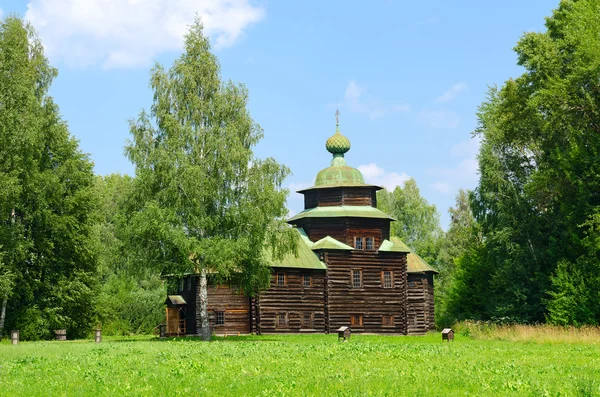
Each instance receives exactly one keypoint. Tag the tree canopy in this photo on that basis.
(537, 201)
(418, 222)
(47, 260)
(209, 205)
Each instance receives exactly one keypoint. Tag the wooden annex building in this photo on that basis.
(348, 271)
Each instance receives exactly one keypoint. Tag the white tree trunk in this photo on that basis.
(203, 298)
(3, 314)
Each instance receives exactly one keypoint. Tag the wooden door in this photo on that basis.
(172, 320)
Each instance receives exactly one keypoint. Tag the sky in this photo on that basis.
(406, 76)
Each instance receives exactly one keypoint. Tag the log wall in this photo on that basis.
(293, 300)
(340, 196)
(420, 304)
(235, 306)
(345, 229)
(372, 301)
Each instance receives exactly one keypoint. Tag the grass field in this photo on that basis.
(298, 365)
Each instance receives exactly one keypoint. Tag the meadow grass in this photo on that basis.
(300, 365)
(529, 333)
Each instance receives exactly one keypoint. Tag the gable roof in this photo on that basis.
(306, 258)
(415, 264)
(329, 242)
(388, 246)
(176, 300)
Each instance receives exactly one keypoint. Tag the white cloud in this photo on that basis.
(378, 176)
(131, 33)
(438, 119)
(464, 174)
(452, 92)
(373, 107)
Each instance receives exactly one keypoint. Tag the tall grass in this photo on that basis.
(541, 333)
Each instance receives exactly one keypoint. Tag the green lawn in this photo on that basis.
(299, 365)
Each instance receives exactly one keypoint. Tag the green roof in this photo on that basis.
(306, 258)
(331, 244)
(356, 211)
(388, 246)
(415, 264)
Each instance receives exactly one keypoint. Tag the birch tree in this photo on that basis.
(209, 205)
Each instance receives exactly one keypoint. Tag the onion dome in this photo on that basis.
(337, 143)
(339, 173)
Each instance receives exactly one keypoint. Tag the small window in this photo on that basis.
(357, 278)
(181, 285)
(281, 321)
(369, 243)
(307, 282)
(387, 279)
(280, 279)
(387, 321)
(358, 243)
(307, 321)
(356, 320)
(220, 318)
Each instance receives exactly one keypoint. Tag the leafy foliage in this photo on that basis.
(418, 222)
(540, 177)
(46, 197)
(207, 203)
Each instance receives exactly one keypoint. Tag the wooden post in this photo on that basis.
(61, 334)
(97, 335)
(14, 337)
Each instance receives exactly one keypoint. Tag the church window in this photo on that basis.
(387, 321)
(357, 278)
(356, 320)
(359, 243)
(369, 244)
(307, 321)
(387, 279)
(281, 321)
(307, 282)
(220, 318)
(280, 279)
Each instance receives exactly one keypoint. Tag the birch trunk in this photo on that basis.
(3, 314)
(203, 299)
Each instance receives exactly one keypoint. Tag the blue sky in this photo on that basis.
(407, 77)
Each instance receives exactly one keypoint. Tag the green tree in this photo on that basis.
(456, 242)
(209, 204)
(540, 170)
(418, 222)
(131, 296)
(48, 264)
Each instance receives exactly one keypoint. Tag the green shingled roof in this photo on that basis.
(331, 244)
(306, 258)
(358, 211)
(415, 264)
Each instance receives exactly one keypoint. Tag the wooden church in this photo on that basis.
(348, 271)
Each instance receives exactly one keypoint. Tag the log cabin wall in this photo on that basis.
(229, 306)
(292, 307)
(365, 196)
(420, 304)
(345, 229)
(379, 309)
